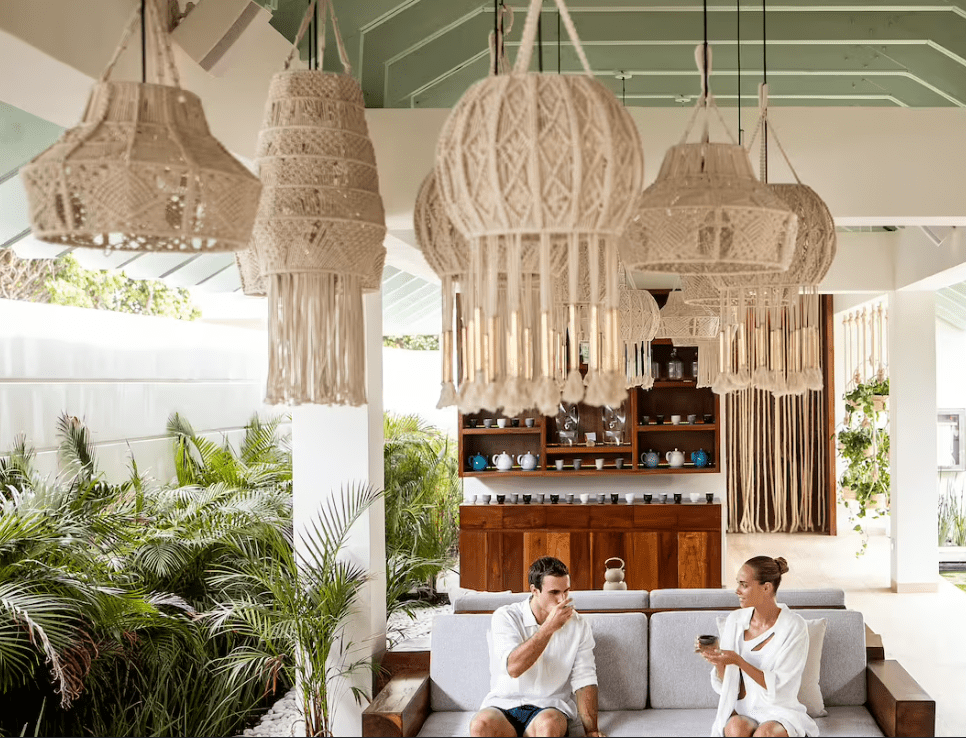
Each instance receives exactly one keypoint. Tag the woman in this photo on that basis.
(758, 669)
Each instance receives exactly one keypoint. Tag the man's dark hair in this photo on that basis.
(546, 566)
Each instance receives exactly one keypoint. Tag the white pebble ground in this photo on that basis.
(284, 719)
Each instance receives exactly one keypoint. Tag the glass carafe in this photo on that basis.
(675, 367)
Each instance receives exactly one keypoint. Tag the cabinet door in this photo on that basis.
(699, 559)
(571, 547)
(472, 559)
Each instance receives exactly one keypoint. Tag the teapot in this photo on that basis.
(503, 462)
(675, 458)
(477, 462)
(700, 458)
(527, 461)
(614, 575)
(650, 459)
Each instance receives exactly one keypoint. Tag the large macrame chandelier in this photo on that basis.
(141, 171)
(778, 312)
(320, 228)
(706, 213)
(534, 169)
(640, 319)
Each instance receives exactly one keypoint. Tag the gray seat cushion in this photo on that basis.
(684, 599)
(680, 679)
(460, 668)
(841, 721)
(591, 599)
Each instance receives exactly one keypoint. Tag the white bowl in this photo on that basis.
(584, 498)
(695, 496)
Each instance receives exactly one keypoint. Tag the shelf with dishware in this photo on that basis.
(502, 431)
(692, 427)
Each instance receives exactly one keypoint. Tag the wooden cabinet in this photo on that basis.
(662, 545)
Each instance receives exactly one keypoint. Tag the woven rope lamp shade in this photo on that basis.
(707, 213)
(141, 171)
(685, 323)
(640, 318)
(319, 231)
(555, 159)
(253, 282)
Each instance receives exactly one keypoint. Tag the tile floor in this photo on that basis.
(916, 629)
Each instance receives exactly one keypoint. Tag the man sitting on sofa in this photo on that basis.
(541, 651)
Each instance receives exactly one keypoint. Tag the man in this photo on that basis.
(541, 652)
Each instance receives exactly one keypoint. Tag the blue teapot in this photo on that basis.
(478, 462)
(650, 459)
(699, 457)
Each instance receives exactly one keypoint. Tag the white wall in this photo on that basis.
(950, 360)
(410, 383)
(123, 375)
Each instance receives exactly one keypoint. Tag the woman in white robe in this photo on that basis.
(757, 668)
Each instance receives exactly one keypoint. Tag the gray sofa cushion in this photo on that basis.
(679, 678)
(683, 599)
(460, 668)
(591, 599)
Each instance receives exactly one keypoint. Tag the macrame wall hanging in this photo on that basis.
(777, 468)
(533, 170)
(706, 213)
(141, 171)
(866, 345)
(320, 229)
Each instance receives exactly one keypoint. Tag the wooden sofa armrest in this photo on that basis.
(899, 705)
(874, 650)
(400, 709)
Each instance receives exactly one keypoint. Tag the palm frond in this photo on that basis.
(76, 449)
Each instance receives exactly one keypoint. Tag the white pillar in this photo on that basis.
(912, 370)
(332, 448)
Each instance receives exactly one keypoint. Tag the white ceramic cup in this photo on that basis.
(540, 497)
(577, 463)
(675, 420)
(584, 498)
(528, 422)
(629, 496)
(486, 499)
(570, 498)
(619, 463)
(692, 418)
(487, 422)
(695, 496)
(473, 499)
(501, 423)
(515, 497)
(599, 463)
(559, 464)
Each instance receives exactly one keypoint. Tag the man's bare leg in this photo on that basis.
(490, 721)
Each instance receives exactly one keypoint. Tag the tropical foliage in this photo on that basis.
(952, 509)
(863, 443)
(423, 495)
(107, 593)
(413, 343)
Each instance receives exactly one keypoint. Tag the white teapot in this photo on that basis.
(675, 458)
(504, 462)
(527, 461)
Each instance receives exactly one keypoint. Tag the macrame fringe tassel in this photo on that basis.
(573, 390)
(470, 396)
(547, 396)
(447, 396)
(316, 340)
(491, 397)
(514, 399)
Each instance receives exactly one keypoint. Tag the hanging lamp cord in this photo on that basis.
(741, 133)
(764, 73)
(540, 41)
(144, 50)
(496, 35)
(558, 42)
(705, 71)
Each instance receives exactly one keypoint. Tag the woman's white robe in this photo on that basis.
(783, 661)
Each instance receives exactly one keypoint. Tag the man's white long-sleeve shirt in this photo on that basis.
(566, 664)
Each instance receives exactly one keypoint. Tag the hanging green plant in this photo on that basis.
(863, 443)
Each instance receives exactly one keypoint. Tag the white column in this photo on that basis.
(912, 370)
(333, 448)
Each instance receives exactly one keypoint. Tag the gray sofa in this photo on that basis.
(590, 600)
(651, 682)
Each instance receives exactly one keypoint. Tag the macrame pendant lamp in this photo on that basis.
(141, 171)
(779, 311)
(640, 319)
(707, 213)
(319, 231)
(544, 164)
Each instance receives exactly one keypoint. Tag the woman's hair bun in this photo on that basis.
(781, 564)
